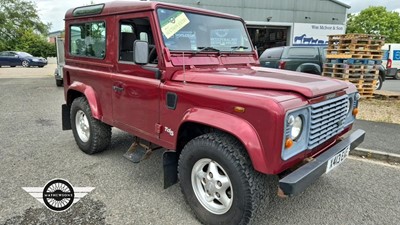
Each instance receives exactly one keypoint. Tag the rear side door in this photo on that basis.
(395, 55)
(296, 56)
(136, 91)
(14, 59)
(270, 57)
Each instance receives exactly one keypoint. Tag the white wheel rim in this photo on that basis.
(25, 64)
(378, 83)
(212, 186)
(82, 126)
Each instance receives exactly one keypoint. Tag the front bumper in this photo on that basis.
(300, 179)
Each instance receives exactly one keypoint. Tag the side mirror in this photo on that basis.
(141, 52)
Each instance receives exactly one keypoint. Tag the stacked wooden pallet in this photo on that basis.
(355, 58)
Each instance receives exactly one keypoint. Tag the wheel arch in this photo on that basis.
(198, 122)
(382, 73)
(81, 90)
(312, 68)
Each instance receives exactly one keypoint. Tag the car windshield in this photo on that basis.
(185, 31)
(24, 54)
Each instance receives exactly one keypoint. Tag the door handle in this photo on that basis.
(118, 89)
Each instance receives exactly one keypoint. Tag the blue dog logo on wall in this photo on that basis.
(303, 40)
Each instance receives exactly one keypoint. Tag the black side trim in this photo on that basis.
(66, 118)
(172, 100)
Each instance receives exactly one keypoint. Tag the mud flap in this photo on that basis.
(170, 164)
(66, 117)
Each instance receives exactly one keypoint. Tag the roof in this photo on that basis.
(341, 3)
(120, 7)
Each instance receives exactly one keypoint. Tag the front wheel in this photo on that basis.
(91, 135)
(218, 180)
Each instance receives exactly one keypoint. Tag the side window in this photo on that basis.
(272, 53)
(127, 38)
(88, 39)
(131, 30)
(302, 52)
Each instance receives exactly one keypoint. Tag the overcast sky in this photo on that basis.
(53, 11)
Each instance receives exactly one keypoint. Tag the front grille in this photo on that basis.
(327, 120)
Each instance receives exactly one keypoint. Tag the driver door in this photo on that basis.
(136, 91)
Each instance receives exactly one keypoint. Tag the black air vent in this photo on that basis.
(172, 100)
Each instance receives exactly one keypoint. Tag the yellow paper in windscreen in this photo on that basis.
(174, 23)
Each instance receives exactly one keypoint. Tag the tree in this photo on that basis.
(35, 44)
(376, 20)
(16, 17)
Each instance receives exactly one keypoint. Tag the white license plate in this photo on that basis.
(337, 159)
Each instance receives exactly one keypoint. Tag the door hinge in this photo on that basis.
(158, 128)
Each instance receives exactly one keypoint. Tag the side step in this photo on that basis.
(140, 151)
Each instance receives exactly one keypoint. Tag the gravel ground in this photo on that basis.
(380, 110)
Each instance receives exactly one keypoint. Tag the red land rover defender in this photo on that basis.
(187, 80)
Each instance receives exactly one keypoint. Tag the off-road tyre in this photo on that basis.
(100, 133)
(249, 187)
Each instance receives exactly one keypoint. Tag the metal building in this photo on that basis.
(282, 22)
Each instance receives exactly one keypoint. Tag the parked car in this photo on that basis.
(306, 59)
(13, 59)
(296, 58)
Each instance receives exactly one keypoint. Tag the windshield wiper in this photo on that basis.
(234, 48)
(208, 49)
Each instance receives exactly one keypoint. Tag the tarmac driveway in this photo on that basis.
(34, 150)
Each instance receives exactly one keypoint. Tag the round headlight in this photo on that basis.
(296, 128)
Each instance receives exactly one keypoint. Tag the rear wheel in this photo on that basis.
(218, 180)
(25, 63)
(59, 83)
(379, 83)
(91, 135)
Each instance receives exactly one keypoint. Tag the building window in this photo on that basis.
(88, 39)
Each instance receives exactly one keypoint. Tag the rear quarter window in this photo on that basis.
(272, 53)
(88, 39)
(303, 52)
